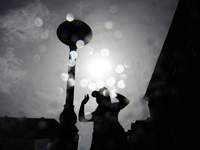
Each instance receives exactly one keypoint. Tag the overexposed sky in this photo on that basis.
(127, 38)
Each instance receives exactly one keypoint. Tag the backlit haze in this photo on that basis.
(127, 38)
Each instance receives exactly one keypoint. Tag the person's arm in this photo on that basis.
(81, 110)
(123, 101)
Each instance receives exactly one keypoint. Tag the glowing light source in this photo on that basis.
(110, 81)
(38, 22)
(100, 67)
(70, 17)
(64, 76)
(109, 24)
(119, 68)
(80, 43)
(105, 52)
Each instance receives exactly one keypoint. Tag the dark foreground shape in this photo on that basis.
(70, 32)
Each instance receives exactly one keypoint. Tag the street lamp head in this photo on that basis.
(71, 32)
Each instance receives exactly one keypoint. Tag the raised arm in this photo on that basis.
(81, 110)
(123, 101)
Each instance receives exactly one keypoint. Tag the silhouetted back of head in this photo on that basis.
(102, 95)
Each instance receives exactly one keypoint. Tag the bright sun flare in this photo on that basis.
(100, 68)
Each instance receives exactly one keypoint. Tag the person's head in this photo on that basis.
(102, 95)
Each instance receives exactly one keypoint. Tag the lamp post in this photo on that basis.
(70, 32)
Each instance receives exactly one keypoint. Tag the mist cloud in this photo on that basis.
(10, 72)
(22, 23)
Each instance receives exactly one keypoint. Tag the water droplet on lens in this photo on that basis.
(119, 68)
(64, 76)
(118, 34)
(113, 9)
(92, 86)
(80, 43)
(109, 24)
(84, 83)
(38, 22)
(121, 84)
(100, 84)
(71, 82)
(105, 52)
(127, 64)
(73, 54)
(42, 48)
(110, 81)
(36, 58)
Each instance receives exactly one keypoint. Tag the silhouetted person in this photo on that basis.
(108, 134)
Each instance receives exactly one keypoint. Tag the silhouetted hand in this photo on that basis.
(85, 100)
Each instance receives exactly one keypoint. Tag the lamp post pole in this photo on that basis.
(69, 32)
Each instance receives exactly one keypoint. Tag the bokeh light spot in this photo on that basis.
(70, 17)
(84, 83)
(64, 76)
(110, 81)
(127, 64)
(73, 54)
(92, 86)
(88, 115)
(45, 34)
(105, 52)
(121, 84)
(106, 93)
(42, 48)
(118, 34)
(119, 68)
(91, 51)
(59, 90)
(154, 53)
(72, 62)
(80, 44)
(109, 24)
(123, 77)
(100, 84)
(36, 58)
(113, 93)
(113, 9)
(71, 82)
(38, 22)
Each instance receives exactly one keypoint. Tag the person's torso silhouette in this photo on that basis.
(108, 134)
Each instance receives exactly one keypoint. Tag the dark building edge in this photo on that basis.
(173, 91)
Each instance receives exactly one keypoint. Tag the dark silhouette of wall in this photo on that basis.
(173, 91)
(28, 133)
(141, 136)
